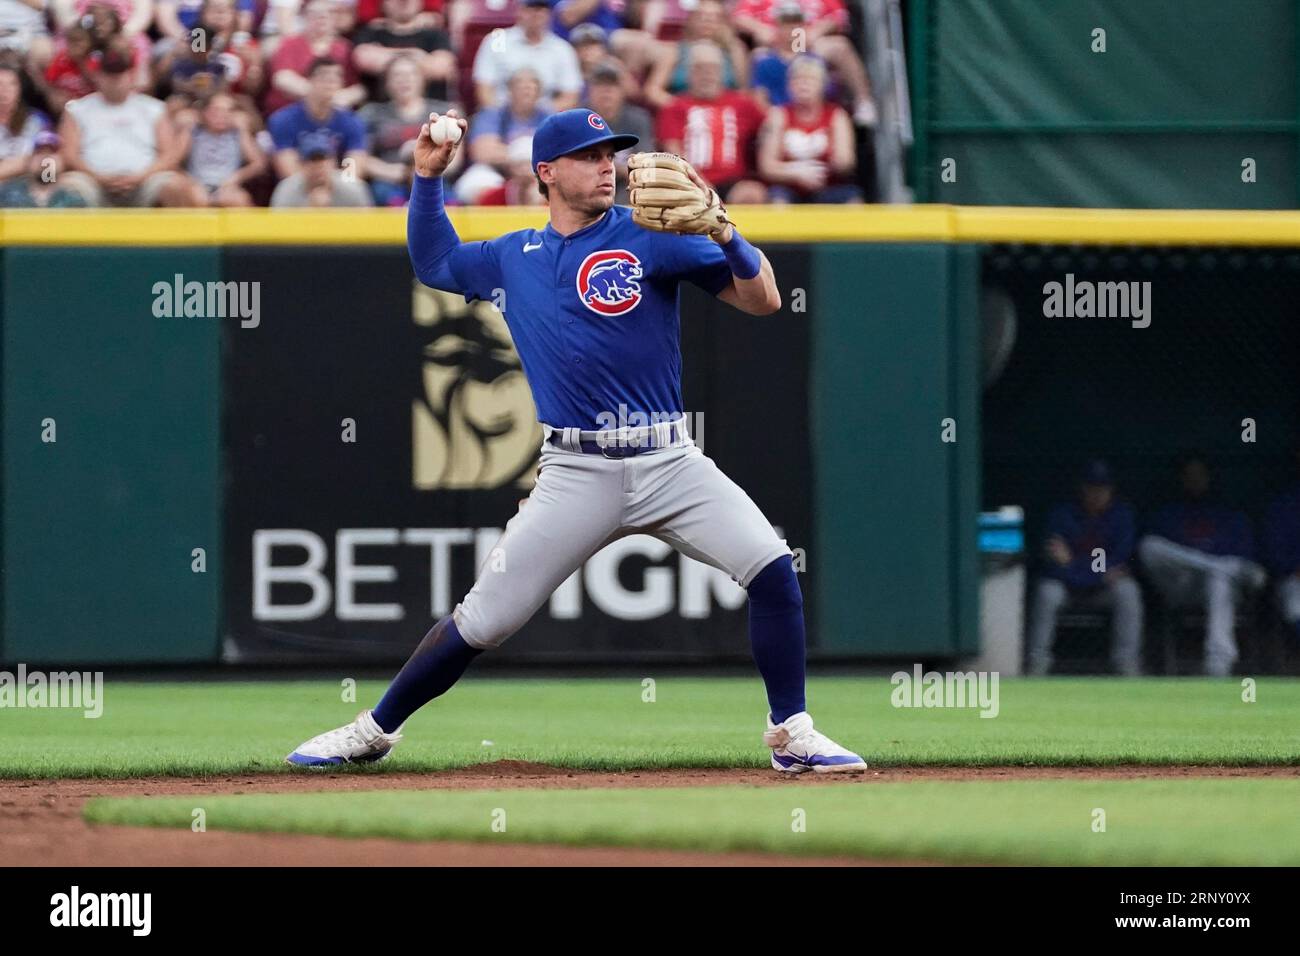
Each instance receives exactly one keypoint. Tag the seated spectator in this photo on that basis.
(392, 127)
(723, 126)
(529, 43)
(1282, 552)
(71, 72)
(1198, 554)
(280, 19)
(23, 33)
(591, 43)
(319, 181)
(19, 124)
(193, 69)
(492, 130)
(1088, 549)
(570, 14)
(520, 188)
(826, 22)
(769, 70)
(431, 12)
(404, 31)
(295, 54)
(41, 187)
(316, 113)
(220, 154)
(106, 19)
(637, 48)
(236, 48)
(120, 147)
(707, 22)
(176, 18)
(134, 16)
(344, 15)
(807, 151)
(606, 96)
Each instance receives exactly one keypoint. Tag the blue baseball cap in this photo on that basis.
(572, 130)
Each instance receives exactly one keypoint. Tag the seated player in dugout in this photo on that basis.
(591, 302)
(1086, 565)
(1199, 554)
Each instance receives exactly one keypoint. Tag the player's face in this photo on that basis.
(1196, 479)
(585, 180)
(1097, 498)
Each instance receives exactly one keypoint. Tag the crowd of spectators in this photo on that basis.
(318, 102)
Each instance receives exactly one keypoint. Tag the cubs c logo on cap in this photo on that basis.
(607, 282)
(596, 121)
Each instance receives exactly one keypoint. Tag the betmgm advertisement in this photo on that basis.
(378, 435)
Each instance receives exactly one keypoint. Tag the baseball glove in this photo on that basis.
(668, 195)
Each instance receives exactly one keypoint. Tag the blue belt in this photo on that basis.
(627, 446)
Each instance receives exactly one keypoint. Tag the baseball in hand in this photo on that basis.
(444, 130)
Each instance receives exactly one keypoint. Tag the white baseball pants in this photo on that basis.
(582, 502)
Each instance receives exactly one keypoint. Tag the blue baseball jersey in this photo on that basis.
(593, 314)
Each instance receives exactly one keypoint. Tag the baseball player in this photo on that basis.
(591, 302)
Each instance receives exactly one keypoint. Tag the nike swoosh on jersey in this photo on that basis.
(529, 247)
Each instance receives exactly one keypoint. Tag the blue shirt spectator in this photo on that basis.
(604, 15)
(288, 127)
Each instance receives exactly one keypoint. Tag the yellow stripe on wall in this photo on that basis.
(805, 224)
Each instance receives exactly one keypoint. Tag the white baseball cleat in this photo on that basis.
(362, 741)
(797, 748)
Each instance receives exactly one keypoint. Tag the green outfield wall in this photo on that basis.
(110, 459)
(130, 439)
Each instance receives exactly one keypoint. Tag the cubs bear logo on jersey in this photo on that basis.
(608, 282)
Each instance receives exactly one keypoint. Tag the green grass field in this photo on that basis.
(1147, 822)
(193, 728)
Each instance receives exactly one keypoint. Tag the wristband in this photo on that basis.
(743, 258)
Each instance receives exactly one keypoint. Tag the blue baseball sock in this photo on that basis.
(437, 663)
(776, 636)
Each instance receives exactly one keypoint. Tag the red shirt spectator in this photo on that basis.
(716, 136)
(814, 11)
(295, 53)
(71, 77)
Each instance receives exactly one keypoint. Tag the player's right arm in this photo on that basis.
(440, 259)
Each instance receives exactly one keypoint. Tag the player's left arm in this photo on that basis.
(753, 283)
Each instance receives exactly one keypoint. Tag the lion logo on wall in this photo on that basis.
(475, 426)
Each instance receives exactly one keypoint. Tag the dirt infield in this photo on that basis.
(41, 822)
